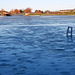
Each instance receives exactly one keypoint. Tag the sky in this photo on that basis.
(52, 5)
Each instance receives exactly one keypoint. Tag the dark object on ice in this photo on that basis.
(69, 31)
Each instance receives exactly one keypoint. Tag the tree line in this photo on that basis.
(37, 12)
(27, 10)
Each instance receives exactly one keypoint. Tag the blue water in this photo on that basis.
(37, 45)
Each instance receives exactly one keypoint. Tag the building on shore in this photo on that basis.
(69, 10)
(6, 14)
(26, 14)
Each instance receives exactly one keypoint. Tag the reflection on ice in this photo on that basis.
(70, 39)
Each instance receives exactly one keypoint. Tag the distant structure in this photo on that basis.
(69, 10)
(26, 14)
(6, 14)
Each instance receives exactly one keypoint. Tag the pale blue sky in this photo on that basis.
(37, 4)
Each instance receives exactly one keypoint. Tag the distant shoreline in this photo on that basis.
(44, 15)
(50, 15)
(28, 12)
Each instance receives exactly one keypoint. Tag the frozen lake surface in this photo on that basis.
(37, 45)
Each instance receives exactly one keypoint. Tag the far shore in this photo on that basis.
(50, 15)
(46, 14)
(28, 12)
(42, 15)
